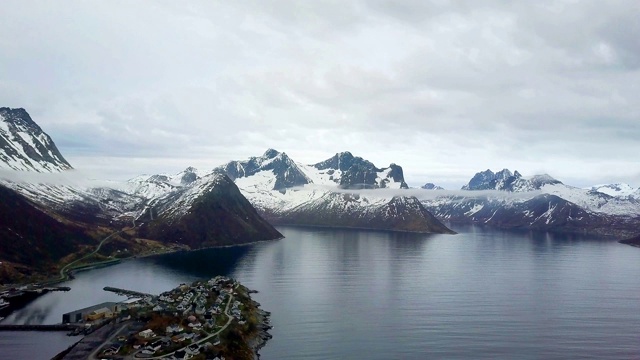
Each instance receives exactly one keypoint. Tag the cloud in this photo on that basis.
(443, 88)
(422, 194)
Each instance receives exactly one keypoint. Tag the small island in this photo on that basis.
(214, 319)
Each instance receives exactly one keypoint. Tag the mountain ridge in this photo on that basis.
(324, 200)
(24, 146)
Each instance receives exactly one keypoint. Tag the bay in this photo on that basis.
(354, 294)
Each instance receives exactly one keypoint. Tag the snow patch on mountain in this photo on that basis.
(616, 190)
(25, 147)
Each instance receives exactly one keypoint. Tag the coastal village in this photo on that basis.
(214, 319)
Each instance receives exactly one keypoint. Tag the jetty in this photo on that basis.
(128, 293)
(54, 327)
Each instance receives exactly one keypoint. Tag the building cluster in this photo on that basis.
(192, 316)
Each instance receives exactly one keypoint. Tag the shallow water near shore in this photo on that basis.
(354, 294)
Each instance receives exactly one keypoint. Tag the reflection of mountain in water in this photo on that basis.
(203, 263)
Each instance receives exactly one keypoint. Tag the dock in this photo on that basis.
(55, 327)
(128, 293)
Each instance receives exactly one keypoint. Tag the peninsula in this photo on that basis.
(214, 319)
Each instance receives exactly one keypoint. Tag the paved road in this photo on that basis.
(63, 275)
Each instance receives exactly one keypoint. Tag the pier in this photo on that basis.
(128, 293)
(55, 327)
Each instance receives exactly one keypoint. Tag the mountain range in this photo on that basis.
(45, 224)
(509, 200)
(240, 201)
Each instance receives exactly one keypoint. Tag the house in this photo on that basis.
(147, 334)
(174, 329)
(216, 340)
(196, 326)
(154, 346)
(193, 349)
(182, 337)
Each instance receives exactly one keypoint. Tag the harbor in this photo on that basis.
(12, 299)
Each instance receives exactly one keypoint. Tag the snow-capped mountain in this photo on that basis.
(505, 180)
(431, 186)
(542, 212)
(617, 190)
(326, 193)
(539, 202)
(353, 172)
(24, 146)
(285, 172)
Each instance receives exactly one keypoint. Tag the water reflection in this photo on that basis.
(353, 294)
(201, 263)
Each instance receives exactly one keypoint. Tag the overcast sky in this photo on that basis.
(442, 88)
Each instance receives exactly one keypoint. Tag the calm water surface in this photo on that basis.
(348, 294)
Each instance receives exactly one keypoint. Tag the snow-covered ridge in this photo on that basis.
(505, 180)
(342, 187)
(343, 190)
(25, 147)
(616, 190)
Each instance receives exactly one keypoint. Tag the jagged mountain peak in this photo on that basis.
(286, 171)
(24, 146)
(343, 161)
(505, 173)
(541, 180)
(270, 153)
(350, 171)
(431, 186)
(505, 180)
(188, 175)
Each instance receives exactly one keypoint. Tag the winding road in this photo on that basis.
(64, 276)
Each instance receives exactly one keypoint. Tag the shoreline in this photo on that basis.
(89, 266)
(365, 228)
(90, 344)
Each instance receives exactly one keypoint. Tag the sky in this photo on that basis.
(443, 88)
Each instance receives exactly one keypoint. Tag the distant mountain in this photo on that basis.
(353, 172)
(538, 202)
(285, 171)
(431, 186)
(24, 146)
(326, 193)
(617, 190)
(397, 213)
(540, 212)
(505, 180)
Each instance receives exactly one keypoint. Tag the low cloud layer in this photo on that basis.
(423, 194)
(443, 88)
